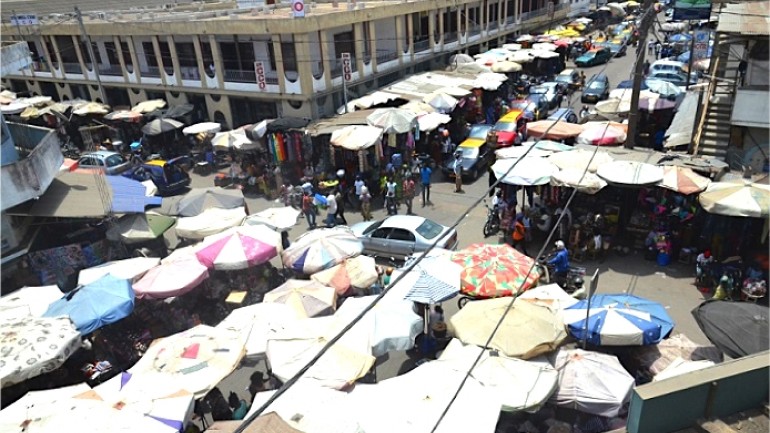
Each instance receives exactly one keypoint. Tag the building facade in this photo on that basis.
(208, 54)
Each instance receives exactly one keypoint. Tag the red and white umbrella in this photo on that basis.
(683, 180)
(601, 135)
(171, 279)
(239, 248)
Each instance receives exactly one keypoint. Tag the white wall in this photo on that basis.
(262, 53)
(314, 46)
(386, 34)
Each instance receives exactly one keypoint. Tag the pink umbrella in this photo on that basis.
(601, 135)
(239, 248)
(171, 279)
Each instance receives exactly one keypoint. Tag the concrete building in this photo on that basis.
(207, 54)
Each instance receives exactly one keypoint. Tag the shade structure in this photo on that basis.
(604, 123)
(680, 366)
(683, 180)
(438, 280)
(270, 422)
(292, 347)
(236, 139)
(391, 325)
(356, 137)
(200, 199)
(203, 127)
(36, 403)
(209, 222)
(615, 106)
(418, 107)
(127, 269)
(549, 295)
(553, 129)
(488, 81)
(124, 115)
(469, 68)
(618, 320)
(137, 228)
(738, 197)
(441, 102)
(460, 58)
(526, 171)
(521, 151)
(656, 103)
(591, 382)
(580, 158)
(31, 346)
(94, 305)
(601, 136)
(15, 107)
(521, 57)
(630, 173)
(239, 248)
(663, 88)
(548, 145)
(161, 126)
(528, 330)
(519, 385)
(659, 357)
(171, 279)
(491, 271)
(198, 358)
(356, 272)
(91, 108)
(431, 121)
(155, 396)
(321, 249)
(544, 46)
(306, 298)
(28, 301)
(393, 120)
(736, 328)
(680, 37)
(148, 106)
(256, 321)
(585, 182)
(277, 218)
(506, 66)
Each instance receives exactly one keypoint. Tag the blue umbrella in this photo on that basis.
(92, 306)
(619, 320)
(680, 37)
(685, 56)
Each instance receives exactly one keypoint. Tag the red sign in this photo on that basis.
(259, 69)
(299, 8)
(347, 70)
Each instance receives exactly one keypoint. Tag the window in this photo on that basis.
(112, 54)
(114, 160)
(505, 127)
(126, 55)
(372, 227)
(149, 54)
(429, 230)
(381, 233)
(402, 235)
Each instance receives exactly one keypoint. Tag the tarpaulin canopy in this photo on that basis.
(658, 357)
(94, 305)
(736, 328)
(29, 301)
(127, 269)
(201, 199)
(286, 123)
(356, 137)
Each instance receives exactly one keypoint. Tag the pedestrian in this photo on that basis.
(447, 147)
(331, 210)
(308, 208)
(340, 200)
(492, 180)
(409, 188)
(257, 384)
(519, 234)
(390, 196)
(358, 184)
(285, 242)
(425, 173)
(458, 170)
(238, 405)
(220, 409)
(366, 203)
(651, 46)
(658, 47)
(582, 80)
(646, 67)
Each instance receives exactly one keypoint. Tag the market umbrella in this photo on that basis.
(198, 358)
(130, 269)
(681, 366)
(544, 46)
(506, 66)
(491, 271)
(438, 280)
(739, 197)
(580, 159)
(37, 101)
(736, 328)
(683, 180)
(490, 81)
(469, 68)
(201, 199)
(94, 305)
(599, 135)
(525, 38)
(658, 357)
(205, 127)
(91, 108)
(277, 218)
(170, 279)
(256, 321)
(442, 102)
(161, 126)
(235, 139)
(321, 249)
(174, 112)
(124, 115)
(148, 106)
(618, 320)
(239, 248)
(520, 385)
(630, 173)
(527, 171)
(392, 325)
(31, 346)
(680, 37)
(15, 107)
(293, 346)
(393, 120)
(663, 88)
(154, 396)
(614, 105)
(29, 301)
(270, 422)
(137, 228)
(356, 137)
(616, 9)
(591, 382)
(257, 130)
(460, 58)
(306, 298)
(549, 145)
(209, 222)
(553, 129)
(585, 182)
(520, 151)
(526, 331)
(431, 121)
(418, 107)
(549, 295)
(656, 103)
(359, 272)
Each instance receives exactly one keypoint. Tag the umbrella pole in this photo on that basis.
(588, 313)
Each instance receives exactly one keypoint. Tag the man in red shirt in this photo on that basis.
(409, 190)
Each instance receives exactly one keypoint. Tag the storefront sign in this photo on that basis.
(298, 6)
(685, 10)
(347, 70)
(701, 44)
(24, 20)
(259, 69)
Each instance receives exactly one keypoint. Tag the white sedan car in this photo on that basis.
(400, 236)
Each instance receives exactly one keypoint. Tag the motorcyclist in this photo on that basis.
(560, 262)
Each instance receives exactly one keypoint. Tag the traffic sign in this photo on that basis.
(298, 6)
(347, 70)
(259, 70)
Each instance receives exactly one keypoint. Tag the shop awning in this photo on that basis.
(327, 126)
(746, 112)
(356, 137)
(681, 129)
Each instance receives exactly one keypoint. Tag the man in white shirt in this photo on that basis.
(331, 208)
(359, 184)
(390, 196)
(458, 170)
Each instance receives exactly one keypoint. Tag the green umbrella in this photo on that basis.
(137, 228)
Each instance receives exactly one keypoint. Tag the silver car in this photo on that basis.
(400, 236)
(111, 163)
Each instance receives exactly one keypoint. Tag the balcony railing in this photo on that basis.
(422, 45)
(450, 37)
(475, 30)
(72, 68)
(337, 66)
(246, 76)
(151, 72)
(40, 66)
(386, 56)
(110, 70)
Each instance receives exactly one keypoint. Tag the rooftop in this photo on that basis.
(747, 18)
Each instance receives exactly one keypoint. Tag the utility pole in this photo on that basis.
(90, 48)
(641, 49)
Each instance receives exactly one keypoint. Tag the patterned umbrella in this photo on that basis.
(683, 180)
(580, 158)
(126, 116)
(321, 249)
(277, 218)
(172, 278)
(359, 271)
(239, 248)
(737, 198)
(438, 280)
(307, 298)
(491, 271)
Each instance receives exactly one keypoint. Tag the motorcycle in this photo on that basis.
(492, 225)
(572, 283)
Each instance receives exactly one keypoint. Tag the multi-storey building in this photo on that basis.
(205, 53)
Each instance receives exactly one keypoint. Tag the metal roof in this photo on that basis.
(749, 18)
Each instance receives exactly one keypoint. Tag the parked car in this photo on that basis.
(629, 84)
(168, 176)
(508, 127)
(617, 48)
(478, 132)
(667, 66)
(475, 159)
(550, 91)
(569, 78)
(112, 163)
(533, 106)
(400, 236)
(597, 89)
(565, 115)
(596, 56)
(674, 78)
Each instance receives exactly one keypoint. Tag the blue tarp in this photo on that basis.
(130, 196)
(92, 306)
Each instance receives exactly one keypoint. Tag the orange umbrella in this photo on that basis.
(491, 271)
(559, 130)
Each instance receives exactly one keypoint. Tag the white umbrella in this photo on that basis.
(236, 139)
(391, 325)
(458, 59)
(209, 222)
(306, 298)
(663, 88)
(580, 158)
(469, 68)
(393, 120)
(91, 108)
(431, 121)
(148, 106)
(38, 101)
(290, 348)
(550, 295)
(257, 321)
(591, 382)
(457, 92)
(587, 182)
(630, 173)
(528, 171)
(29, 301)
(418, 107)
(681, 366)
(359, 271)
(277, 218)
(544, 46)
(207, 127)
(356, 137)
(321, 249)
(15, 107)
(739, 197)
(543, 54)
(127, 269)
(442, 102)
(506, 66)
(519, 151)
(613, 106)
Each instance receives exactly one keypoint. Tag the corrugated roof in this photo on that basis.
(747, 18)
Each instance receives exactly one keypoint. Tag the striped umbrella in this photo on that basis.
(239, 247)
(438, 280)
(321, 249)
(307, 298)
(737, 198)
(683, 180)
(491, 271)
